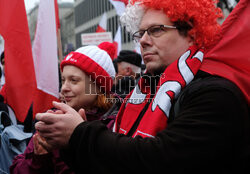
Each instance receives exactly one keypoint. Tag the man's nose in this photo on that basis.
(145, 40)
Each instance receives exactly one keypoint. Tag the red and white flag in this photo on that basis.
(102, 27)
(119, 5)
(19, 68)
(118, 41)
(45, 57)
(230, 57)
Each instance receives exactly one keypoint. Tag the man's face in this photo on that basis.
(159, 52)
(121, 71)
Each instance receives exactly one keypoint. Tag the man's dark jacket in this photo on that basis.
(208, 132)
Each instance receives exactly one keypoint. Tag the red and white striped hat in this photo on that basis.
(95, 61)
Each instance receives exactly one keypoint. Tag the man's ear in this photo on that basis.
(190, 40)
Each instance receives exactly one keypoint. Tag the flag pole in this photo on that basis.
(58, 33)
(59, 45)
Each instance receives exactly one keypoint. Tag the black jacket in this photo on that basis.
(208, 132)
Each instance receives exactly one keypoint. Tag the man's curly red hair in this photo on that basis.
(201, 14)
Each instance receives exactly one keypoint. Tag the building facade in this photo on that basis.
(83, 16)
(88, 14)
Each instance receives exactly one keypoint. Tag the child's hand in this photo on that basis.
(38, 148)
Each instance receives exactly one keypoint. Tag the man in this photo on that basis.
(190, 122)
(128, 72)
(129, 64)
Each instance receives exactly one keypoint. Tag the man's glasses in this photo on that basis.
(155, 31)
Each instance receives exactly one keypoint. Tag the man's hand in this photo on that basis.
(57, 127)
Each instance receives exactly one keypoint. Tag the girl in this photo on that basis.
(87, 77)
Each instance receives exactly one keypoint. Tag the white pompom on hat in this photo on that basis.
(95, 61)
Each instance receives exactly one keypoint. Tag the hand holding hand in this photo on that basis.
(57, 127)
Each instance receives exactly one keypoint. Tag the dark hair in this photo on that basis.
(183, 27)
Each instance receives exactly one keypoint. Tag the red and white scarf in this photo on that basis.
(174, 79)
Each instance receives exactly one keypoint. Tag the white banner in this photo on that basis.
(96, 38)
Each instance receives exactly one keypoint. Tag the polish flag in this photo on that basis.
(230, 57)
(118, 41)
(102, 27)
(20, 77)
(45, 57)
(119, 5)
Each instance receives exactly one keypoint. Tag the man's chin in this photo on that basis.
(157, 70)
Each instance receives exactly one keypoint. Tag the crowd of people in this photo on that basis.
(173, 117)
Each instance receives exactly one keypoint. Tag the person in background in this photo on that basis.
(2, 70)
(189, 122)
(128, 72)
(81, 88)
(227, 4)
